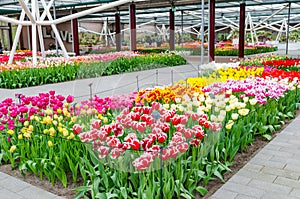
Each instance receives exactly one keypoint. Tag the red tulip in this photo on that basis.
(135, 145)
(103, 151)
(70, 99)
(96, 124)
(77, 129)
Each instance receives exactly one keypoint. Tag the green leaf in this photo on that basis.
(111, 195)
(267, 136)
(271, 128)
(277, 127)
(101, 196)
(290, 115)
(82, 188)
(201, 190)
(123, 192)
(184, 195)
(263, 129)
(219, 175)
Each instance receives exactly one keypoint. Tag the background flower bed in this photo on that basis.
(51, 122)
(194, 48)
(60, 70)
(247, 51)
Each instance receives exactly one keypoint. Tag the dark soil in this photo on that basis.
(239, 161)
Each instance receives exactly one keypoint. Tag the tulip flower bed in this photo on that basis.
(20, 55)
(233, 51)
(260, 59)
(54, 70)
(167, 140)
(287, 64)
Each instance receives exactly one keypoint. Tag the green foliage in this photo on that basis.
(234, 52)
(151, 50)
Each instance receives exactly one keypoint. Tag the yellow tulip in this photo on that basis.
(26, 123)
(48, 112)
(10, 132)
(54, 122)
(65, 132)
(234, 116)
(12, 148)
(105, 120)
(59, 111)
(20, 136)
(47, 120)
(72, 136)
(30, 128)
(52, 131)
(253, 101)
(50, 144)
(27, 135)
(73, 119)
(55, 116)
(37, 118)
(243, 111)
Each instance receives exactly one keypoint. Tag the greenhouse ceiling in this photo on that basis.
(188, 12)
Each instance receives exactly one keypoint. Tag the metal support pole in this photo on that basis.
(181, 39)
(10, 35)
(54, 17)
(75, 35)
(132, 24)
(33, 36)
(118, 32)
(40, 32)
(202, 33)
(288, 30)
(172, 32)
(212, 16)
(106, 33)
(242, 29)
(17, 36)
(29, 38)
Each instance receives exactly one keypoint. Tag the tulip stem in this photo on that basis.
(161, 173)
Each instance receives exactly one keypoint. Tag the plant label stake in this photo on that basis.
(91, 94)
(137, 82)
(172, 77)
(74, 109)
(156, 77)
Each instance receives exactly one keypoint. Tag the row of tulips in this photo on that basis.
(60, 61)
(181, 135)
(287, 64)
(54, 70)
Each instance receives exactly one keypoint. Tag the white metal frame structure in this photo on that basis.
(263, 14)
(36, 21)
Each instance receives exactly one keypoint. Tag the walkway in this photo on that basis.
(273, 173)
(13, 188)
